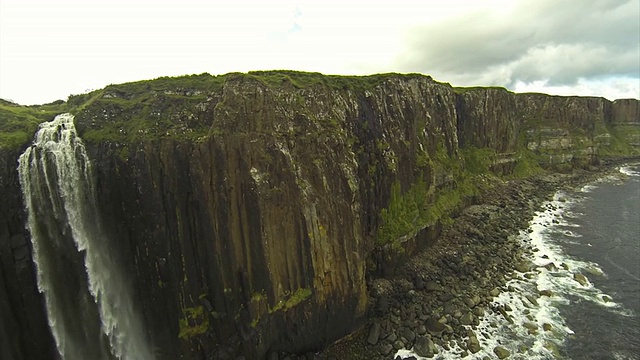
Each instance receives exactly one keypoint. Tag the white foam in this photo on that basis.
(494, 329)
(627, 170)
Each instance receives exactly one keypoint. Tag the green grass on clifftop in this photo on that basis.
(305, 80)
(19, 123)
(182, 107)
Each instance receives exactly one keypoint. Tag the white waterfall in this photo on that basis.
(72, 253)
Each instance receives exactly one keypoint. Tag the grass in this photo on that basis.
(168, 107)
(305, 80)
(161, 107)
(19, 123)
(466, 89)
(620, 137)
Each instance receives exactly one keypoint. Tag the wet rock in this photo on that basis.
(494, 292)
(448, 329)
(532, 300)
(382, 306)
(467, 319)
(501, 352)
(409, 335)
(473, 344)
(392, 337)
(398, 344)
(548, 293)
(446, 297)
(434, 327)
(469, 302)
(581, 279)
(502, 310)
(523, 266)
(531, 327)
(449, 308)
(432, 286)
(386, 349)
(425, 347)
(374, 334)
(547, 327)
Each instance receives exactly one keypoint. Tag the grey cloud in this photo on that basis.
(541, 40)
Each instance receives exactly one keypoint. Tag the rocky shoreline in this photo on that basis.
(437, 298)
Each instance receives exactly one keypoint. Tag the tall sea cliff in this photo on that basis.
(248, 211)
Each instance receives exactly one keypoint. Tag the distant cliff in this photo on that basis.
(249, 209)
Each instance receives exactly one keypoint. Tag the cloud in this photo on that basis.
(52, 48)
(558, 43)
(616, 88)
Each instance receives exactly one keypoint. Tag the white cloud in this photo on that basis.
(52, 48)
(562, 45)
(614, 88)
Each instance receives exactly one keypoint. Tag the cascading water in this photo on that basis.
(88, 301)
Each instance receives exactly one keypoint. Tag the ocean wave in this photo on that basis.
(629, 170)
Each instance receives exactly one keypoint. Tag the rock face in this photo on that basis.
(24, 332)
(248, 209)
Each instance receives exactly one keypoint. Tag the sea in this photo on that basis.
(582, 299)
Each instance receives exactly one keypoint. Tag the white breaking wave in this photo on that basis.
(555, 272)
(627, 170)
(56, 180)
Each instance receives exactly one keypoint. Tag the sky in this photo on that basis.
(50, 49)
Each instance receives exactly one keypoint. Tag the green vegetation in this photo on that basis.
(294, 300)
(466, 89)
(527, 164)
(305, 80)
(194, 322)
(19, 123)
(620, 140)
(175, 107)
(147, 110)
(422, 206)
(171, 107)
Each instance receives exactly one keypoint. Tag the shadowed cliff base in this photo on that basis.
(250, 209)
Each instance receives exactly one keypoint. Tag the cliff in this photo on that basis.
(250, 209)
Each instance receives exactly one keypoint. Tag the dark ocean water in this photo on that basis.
(606, 218)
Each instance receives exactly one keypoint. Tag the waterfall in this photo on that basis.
(88, 299)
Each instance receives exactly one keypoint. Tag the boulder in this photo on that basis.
(467, 319)
(434, 327)
(432, 286)
(374, 334)
(473, 344)
(425, 347)
(581, 279)
(501, 352)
